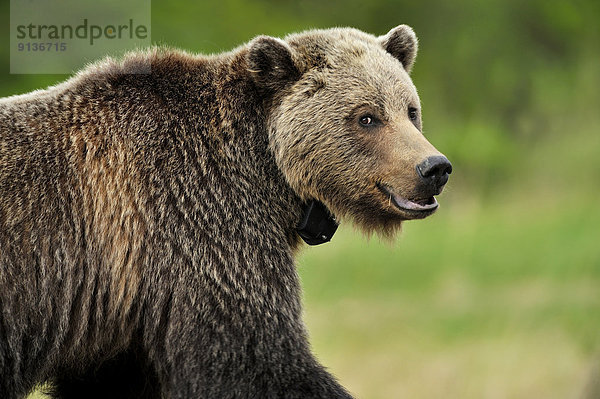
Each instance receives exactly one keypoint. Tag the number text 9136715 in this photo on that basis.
(42, 46)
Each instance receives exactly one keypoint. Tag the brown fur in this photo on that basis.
(147, 222)
(324, 106)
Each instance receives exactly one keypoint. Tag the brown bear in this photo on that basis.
(148, 222)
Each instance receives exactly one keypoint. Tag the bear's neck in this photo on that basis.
(228, 118)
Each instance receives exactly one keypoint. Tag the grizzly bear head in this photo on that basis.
(345, 126)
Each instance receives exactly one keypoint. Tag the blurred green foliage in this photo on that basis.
(495, 77)
(495, 296)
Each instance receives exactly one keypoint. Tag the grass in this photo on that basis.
(492, 299)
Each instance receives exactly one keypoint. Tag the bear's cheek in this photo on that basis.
(389, 158)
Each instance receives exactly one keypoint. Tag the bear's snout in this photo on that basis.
(434, 172)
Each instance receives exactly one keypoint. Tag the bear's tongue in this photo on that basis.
(417, 205)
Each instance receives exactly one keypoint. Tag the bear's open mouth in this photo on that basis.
(421, 206)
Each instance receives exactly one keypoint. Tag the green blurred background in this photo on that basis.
(495, 296)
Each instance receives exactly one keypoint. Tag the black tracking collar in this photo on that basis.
(317, 225)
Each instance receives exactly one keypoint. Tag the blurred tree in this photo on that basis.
(498, 75)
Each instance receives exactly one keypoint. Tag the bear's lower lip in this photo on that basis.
(418, 208)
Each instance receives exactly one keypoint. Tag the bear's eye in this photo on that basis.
(367, 120)
(412, 114)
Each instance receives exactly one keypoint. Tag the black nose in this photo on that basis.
(435, 170)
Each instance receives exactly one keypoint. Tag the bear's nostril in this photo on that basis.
(435, 167)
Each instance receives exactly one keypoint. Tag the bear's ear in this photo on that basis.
(401, 42)
(270, 63)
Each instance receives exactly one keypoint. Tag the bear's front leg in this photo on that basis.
(218, 372)
(215, 352)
